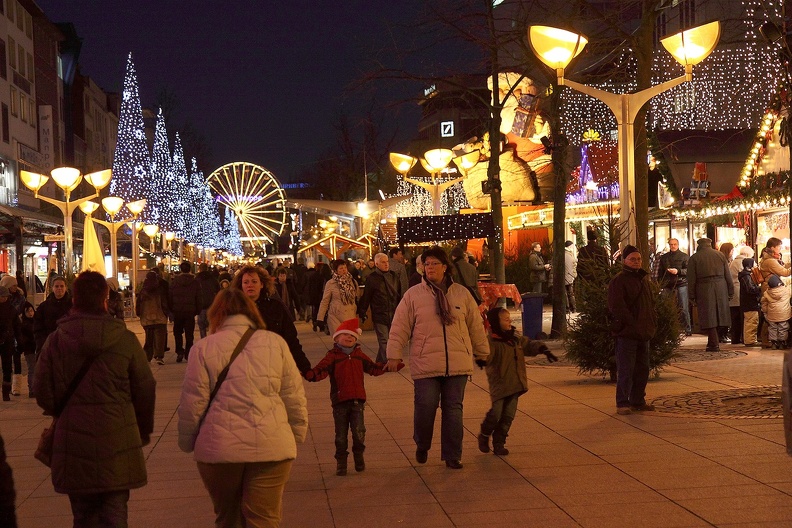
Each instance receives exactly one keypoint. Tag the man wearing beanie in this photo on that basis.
(710, 287)
(633, 323)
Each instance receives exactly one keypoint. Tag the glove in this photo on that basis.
(551, 357)
(481, 363)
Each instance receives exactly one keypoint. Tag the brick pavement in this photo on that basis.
(573, 461)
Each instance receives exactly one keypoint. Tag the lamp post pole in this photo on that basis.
(135, 208)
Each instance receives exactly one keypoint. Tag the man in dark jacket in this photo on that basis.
(397, 266)
(710, 287)
(537, 269)
(381, 293)
(633, 323)
(97, 456)
(185, 304)
(465, 273)
(209, 286)
(672, 273)
(9, 331)
(591, 258)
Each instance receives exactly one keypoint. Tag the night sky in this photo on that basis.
(261, 80)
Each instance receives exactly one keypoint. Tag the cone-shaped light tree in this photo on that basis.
(161, 164)
(179, 191)
(131, 163)
(231, 233)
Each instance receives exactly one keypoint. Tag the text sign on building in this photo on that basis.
(31, 157)
(446, 129)
(45, 135)
(54, 238)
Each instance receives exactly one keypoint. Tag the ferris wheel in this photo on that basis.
(255, 196)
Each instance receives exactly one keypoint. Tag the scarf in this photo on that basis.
(347, 287)
(443, 307)
(505, 336)
(346, 350)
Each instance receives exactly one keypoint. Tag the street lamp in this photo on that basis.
(151, 231)
(434, 161)
(135, 208)
(67, 178)
(557, 47)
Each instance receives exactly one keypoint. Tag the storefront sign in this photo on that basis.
(32, 157)
(45, 137)
(54, 238)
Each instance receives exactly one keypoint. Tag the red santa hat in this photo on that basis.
(350, 326)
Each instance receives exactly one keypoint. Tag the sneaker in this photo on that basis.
(453, 464)
(179, 358)
(160, 361)
(644, 407)
(483, 443)
(623, 410)
(421, 456)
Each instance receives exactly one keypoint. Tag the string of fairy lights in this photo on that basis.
(728, 90)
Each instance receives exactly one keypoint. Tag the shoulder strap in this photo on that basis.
(74, 384)
(222, 376)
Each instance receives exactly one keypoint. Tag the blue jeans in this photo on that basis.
(681, 294)
(632, 364)
(448, 393)
(499, 419)
(348, 416)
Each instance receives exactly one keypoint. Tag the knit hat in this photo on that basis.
(748, 263)
(350, 326)
(774, 281)
(568, 243)
(627, 250)
(8, 281)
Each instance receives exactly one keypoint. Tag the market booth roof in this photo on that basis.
(333, 245)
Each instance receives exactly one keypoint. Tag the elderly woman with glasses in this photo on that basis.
(442, 325)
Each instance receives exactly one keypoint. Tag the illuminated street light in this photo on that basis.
(557, 47)
(435, 162)
(68, 179)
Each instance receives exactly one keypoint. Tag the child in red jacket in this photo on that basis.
(345, 363)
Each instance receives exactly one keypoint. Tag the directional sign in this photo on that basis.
(54, 238)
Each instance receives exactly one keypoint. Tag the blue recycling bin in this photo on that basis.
(532, 304)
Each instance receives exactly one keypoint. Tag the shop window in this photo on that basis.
(6, 129)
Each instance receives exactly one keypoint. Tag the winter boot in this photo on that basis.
(6, 391)
(499, 450)
(341, 466)
(15, 384)
(360, 464)
(483, 441)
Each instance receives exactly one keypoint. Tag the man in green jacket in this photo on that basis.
(97, 455)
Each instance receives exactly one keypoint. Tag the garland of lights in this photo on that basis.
(131, 164)
(445, 227)
(726, 91)
(772, 198)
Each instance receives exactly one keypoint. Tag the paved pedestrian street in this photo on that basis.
(713, 455)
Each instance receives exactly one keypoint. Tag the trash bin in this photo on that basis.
(532, 304)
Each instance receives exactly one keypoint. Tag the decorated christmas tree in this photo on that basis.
(178, 193)
(192, 227)
(131, 164)
(231, 231)
(158, 197)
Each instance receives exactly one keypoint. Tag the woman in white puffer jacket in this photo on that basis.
(248, 438)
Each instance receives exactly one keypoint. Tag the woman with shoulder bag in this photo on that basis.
(242, 412)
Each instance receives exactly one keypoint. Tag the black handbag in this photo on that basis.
(44, 449)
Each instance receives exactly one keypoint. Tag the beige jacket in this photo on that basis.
(437, 350)
(334, 308)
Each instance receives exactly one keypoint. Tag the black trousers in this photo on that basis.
(183, 324)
